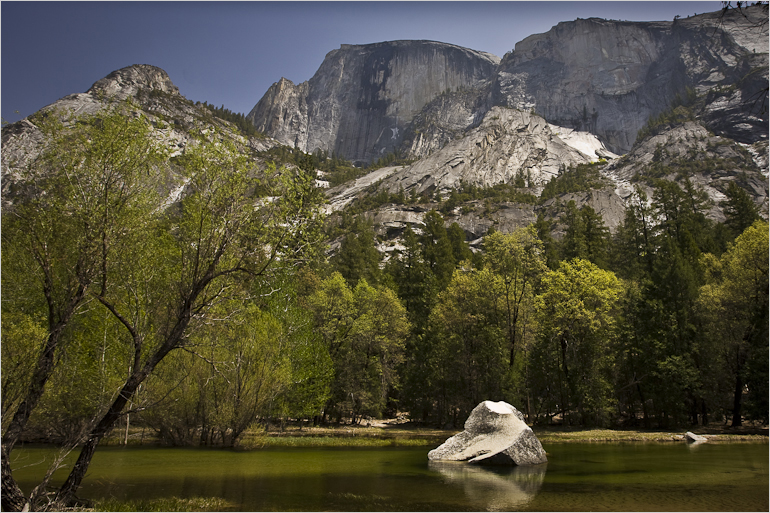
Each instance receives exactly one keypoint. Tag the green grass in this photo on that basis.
(347, 441)
(551, 435)
(165, 504)
(410, 436)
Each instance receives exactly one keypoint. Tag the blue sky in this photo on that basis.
(231, 52)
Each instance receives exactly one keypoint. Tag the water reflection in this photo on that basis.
(494, 488)
(694, 445)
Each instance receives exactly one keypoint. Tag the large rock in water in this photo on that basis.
(495, 434)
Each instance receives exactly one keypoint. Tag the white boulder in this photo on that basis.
(495, 434)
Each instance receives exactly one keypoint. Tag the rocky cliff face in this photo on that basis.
(609, 77)
(447, 118)
(597, 82)
(283, 112)
(363, 97)
(709, 161)
(125, 82)
(606, 77)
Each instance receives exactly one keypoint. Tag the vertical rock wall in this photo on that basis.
(609, 77)
(362, 98)
(606, 77)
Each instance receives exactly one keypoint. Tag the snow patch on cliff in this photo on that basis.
(584, 142)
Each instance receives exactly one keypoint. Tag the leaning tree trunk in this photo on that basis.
(66, 495)
(12, 497)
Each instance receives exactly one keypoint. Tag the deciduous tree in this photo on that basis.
(735, 305)
(99, 231)
(576, 311)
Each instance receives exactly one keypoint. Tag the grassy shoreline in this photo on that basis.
(425, 436)
(408, 435)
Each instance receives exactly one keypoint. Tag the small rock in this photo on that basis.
(693, 438)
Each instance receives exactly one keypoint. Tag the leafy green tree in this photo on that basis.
(683, 233)
(23, 327)
(415, 283)
(437, 249)
(155, 271)
(310, 363)
(634, 244)
(82, 194)
(735, 305)
(582, 177)
(418, 289)
(518, 259)
(574, 243)
(218, 237)
(681, 214)
(88, 370)
(364, 330)
(637, 356)
(233, 373)
(576, 311)
(544, 226)
(597, 236)
(585, 236)
(460, 249)
(468, 355)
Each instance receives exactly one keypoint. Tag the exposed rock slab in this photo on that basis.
(507, 144)
(691, 142)
(125, 82)
(495, 434)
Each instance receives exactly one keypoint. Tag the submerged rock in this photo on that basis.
(495, 434)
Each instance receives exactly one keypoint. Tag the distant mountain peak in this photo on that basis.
(128, 81)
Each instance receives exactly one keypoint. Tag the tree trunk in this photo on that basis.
(43, 370)
(12, 497)
(737, 401)
(566, 378)
(66, 495)
(644, 407)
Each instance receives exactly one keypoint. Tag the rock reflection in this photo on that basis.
(695, 445)
(494, 488)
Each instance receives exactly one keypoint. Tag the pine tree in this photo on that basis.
(437, 249)
(740, 210)
(358, 256)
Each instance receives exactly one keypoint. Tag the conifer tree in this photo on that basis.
(358, 256)
(740, 210)
(437, 249)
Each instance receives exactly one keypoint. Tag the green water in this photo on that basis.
(577, 477)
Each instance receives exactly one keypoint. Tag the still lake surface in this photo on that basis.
(577, 477)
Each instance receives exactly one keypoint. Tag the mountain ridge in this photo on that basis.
(606, 77)
(460, 136)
